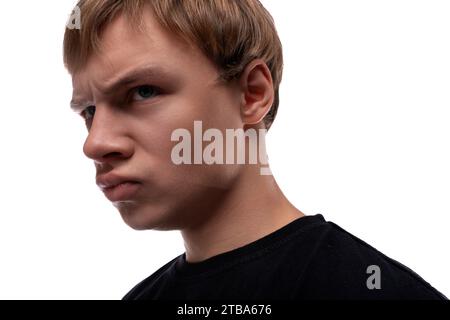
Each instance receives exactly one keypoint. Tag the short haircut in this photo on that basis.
(231, 33)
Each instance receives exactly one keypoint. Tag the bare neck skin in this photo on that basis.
(255, 208)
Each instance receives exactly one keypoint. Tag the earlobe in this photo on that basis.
(258, 93)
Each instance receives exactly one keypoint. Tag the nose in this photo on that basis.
(108, 139)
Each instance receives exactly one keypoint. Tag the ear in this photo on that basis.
(257, 92)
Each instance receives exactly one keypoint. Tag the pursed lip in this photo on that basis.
(118, 188)
(111, 180)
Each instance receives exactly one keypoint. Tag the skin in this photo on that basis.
(217, 208)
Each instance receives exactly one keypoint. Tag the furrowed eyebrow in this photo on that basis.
(77, 106)
(127, 78)
(133, 76)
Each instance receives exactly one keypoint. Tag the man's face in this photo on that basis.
(143, 87)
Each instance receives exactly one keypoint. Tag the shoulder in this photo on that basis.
(145, 286)
(343, 266)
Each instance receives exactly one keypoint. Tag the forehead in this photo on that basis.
(123, 47)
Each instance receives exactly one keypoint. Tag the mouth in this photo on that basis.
(121, 192)
(118, 188)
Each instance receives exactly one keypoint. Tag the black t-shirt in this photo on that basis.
(309, 258)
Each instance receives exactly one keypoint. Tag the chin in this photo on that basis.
(140, 218)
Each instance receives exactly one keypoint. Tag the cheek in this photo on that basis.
(216, 109)
(186, 180)
(221, 111)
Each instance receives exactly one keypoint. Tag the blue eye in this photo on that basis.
(144, 92)
(88, 113)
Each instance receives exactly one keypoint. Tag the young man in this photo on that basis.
(147, 74)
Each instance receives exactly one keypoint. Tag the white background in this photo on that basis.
(361, 137)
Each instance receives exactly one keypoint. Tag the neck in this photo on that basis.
(255, 208)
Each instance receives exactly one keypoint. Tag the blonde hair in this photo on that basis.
(231, 33)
